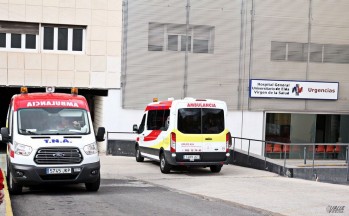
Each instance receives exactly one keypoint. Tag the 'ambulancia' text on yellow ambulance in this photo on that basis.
(187, 132)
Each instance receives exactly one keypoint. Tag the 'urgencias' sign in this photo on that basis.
(293, 89)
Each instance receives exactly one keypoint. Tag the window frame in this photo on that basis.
(70, 40)
(168, 31)
(23, 48)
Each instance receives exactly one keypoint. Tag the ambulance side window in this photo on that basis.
(157, 119)
(141, 126)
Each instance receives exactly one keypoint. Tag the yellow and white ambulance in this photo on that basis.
(50, 139)
(186, 132)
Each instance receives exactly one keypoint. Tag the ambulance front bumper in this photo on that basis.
(31, 175)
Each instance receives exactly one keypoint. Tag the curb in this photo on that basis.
(7, 198)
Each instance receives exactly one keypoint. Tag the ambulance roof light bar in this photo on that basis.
(24, 90)
(155, 100)
(50, 89)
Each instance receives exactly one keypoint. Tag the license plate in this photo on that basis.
(58, 170)
(191, 157)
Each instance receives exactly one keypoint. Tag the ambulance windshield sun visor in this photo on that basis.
(53, 121)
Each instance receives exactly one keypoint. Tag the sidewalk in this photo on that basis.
(242, 186)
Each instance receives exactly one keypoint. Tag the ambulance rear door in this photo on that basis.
(201, 129)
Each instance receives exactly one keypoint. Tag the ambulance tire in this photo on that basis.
(139, 157)
(216, 168)
(13, 187)
(165, 167)
(94, 186)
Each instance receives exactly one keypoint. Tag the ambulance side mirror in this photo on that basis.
(100, 134)
(5, 137)
(135, 128)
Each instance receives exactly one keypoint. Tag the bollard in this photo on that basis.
(305, 155)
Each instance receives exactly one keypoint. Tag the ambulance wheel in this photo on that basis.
(13, 187)
(165, 167)
(216, 169)
(139, 157)
(94, 186)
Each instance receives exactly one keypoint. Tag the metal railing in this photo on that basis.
(309, 150)
(118, 135)
(285, 151)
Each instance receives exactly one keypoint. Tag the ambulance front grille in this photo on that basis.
(58, 156)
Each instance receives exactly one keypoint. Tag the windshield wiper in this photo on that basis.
(27, 131)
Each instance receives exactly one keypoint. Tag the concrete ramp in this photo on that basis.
(331, 171)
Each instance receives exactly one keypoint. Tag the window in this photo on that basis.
(297, 52)
(315, 52)
(18, 36)
(77, 39)
(183, 43)
(30, 41)
(48, 39)
(306, 128)
(278, 51)
(178, 43)
(292, 51)
(63, 38)
(336, 53)
(2, 39)
(157, 119)
(200, 121)
(156, 37)
(16, 40)
(200, 38)
(53, 121)
(172, 42)
(200, 46)
(141, 126)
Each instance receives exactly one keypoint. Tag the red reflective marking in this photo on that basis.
(153, 135)
(12, 154)
(137, 139)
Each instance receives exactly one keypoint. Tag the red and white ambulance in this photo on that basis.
(50, 139)
(186, 132)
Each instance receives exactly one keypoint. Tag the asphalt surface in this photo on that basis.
(131, 188)
(119, 197)
(253, 189)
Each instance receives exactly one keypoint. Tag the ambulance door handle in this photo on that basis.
(208, 138)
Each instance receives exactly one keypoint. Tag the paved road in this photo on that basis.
(252, 188)
(119, 197)
(131, 188)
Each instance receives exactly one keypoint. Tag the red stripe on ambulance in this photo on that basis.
(153, 135)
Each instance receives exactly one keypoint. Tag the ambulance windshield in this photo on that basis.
(200, 120)
(49, 121)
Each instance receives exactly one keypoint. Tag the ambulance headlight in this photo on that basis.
(23, 150)
(91, 149)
